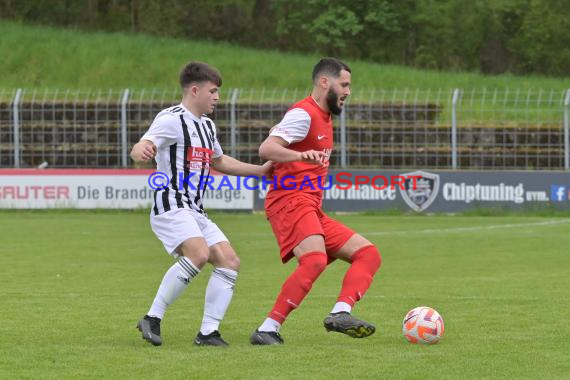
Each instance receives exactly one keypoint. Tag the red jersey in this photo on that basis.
(306, 126)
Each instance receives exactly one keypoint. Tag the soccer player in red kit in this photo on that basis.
(300, 147)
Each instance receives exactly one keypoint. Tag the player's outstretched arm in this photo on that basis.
(143, 151)
(231, 166)
(275, 149)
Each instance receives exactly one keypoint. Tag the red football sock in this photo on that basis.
(365, 263)
(298, 285)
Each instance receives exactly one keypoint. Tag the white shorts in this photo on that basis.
(175, 226)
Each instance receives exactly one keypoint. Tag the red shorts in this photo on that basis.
(299, 219)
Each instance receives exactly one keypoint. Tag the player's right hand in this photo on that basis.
(313, 157)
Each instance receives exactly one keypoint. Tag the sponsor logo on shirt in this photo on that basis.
(198, 158)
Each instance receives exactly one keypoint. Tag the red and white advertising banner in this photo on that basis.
(101, 188)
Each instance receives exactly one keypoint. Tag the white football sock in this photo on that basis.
(218, 297)
(270, 325)
(341, 306)
(173, 284)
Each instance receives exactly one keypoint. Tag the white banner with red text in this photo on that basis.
(101, 188)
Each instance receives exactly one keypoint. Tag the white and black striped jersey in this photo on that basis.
(185, 145)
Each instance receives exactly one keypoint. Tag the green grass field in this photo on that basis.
(40, 57)
(75, 283)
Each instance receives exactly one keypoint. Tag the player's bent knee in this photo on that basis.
(370, 255)
(222, 255)
(201, 257)
(377, 262)
(198, 255)
(233, 263)
(317, 262)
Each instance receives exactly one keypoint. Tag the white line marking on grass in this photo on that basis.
(466, 229)
(461, 298)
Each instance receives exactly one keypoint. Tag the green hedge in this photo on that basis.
(519, 36)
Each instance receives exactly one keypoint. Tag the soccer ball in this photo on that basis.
(423, 325)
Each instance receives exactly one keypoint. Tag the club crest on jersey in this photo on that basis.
(425, 192)
(198, 158)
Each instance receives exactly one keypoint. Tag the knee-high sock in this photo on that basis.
(299, 283)
(173, 284)
(218, 297)
(365, 263)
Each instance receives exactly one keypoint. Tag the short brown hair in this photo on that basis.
(329, 66)
(197, 72)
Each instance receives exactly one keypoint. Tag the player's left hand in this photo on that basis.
(267, 170)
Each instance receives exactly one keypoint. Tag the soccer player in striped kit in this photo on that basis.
(184, 143)
(300, 147)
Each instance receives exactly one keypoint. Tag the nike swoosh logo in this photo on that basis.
(292, 303)
(321, 137)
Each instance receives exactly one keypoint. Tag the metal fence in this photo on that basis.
(392, 129)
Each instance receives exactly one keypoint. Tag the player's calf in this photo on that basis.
(358, 278)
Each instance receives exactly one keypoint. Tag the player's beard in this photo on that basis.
(332, 102)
